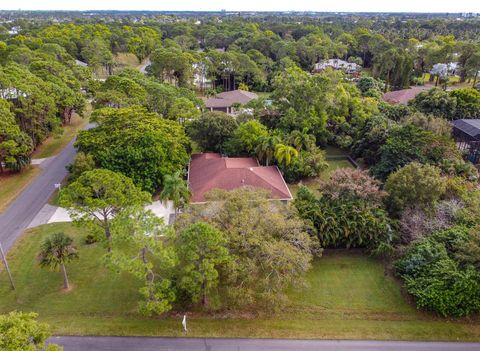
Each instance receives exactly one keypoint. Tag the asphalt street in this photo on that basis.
(85, 343)
(16, 218)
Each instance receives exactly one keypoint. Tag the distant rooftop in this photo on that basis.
(228, 98)
(403, 96)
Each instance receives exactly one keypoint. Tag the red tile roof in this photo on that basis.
(212, 171)
(403, 96)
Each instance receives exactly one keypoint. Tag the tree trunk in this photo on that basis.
(108, 235)
(65, 277)
(204, 294)
(475, 79)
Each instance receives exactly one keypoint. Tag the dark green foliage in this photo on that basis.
(139, 144)
(309, 163)
(436, 102)
(468, 103)
(437, 280)
(344, 222)
(212, 130)
(370, 87)
(408, 143)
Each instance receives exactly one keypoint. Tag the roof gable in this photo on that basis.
(211, 171)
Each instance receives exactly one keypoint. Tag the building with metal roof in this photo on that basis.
(466, 133)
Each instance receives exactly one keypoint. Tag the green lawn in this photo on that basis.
(347, 296)
(314, 183)
(12, 184)
(121, 61)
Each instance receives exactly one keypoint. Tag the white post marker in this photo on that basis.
(184, 323)
(57, 185)
(4, 258)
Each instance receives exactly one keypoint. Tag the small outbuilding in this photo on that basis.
(466, 133)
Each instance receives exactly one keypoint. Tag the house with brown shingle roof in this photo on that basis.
(403, 96)
(224, 101)
(210, 171)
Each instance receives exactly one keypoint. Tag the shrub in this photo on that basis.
(414, 185)
(436, 279)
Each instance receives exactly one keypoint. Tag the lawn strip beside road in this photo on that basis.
(54, 144)
(12, 184)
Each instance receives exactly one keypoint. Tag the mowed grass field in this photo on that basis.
(347, 296)
(314, 183)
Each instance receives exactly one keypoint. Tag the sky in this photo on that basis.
(250, 5)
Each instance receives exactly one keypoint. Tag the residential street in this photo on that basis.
(23, 210)
(185, 344)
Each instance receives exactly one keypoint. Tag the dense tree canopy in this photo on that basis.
(139, 144)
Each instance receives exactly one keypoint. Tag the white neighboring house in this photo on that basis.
(445, 69)
(200, 80)
(14, 30)
(337, 64)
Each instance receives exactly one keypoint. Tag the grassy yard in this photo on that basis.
(121, 61)
(348, 296)
(54, 144)
(314, 183)
(12, 184)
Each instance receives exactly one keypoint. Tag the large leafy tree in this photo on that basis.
(468, 103)
(414, 185)
(269, 245)
(436, 102)
(405, 144)
(99, 195)
(143, 41)
(202, 251)
(21, 332)
(138, 248)
(57, 251)
(15, 145)
(246, 137)
(302, 99)
(212, 130)
(173, 66)
(139, 144)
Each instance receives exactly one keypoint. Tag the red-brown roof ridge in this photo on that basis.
(212, 171)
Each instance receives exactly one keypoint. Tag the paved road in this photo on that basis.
(23, 210)
(72, 343)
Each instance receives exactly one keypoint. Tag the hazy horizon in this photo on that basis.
(439, 6)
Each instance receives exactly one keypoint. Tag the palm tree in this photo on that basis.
(301, 140)
(285, 154)
(176, 190)
(56, 251)
(265, 149)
